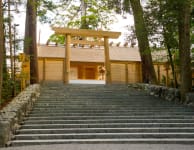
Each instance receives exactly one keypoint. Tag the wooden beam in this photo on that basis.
(84, 42)
(126, 73)
(67, 59)
(86, 32)
(107, 61)
(44, 69)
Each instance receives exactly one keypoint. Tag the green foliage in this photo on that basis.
(94, 15)
(45, 9)
(9, 89)
(60, 39)
(131, 36)
(115, 5)
(176, 57)
(126, 6)
(161, 19)
(192, 23)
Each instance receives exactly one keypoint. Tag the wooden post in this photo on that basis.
(159, 78)
(44, 69)
(167, 74)
(167, 78)
(67, 59)
(126, 74)
(107, 61)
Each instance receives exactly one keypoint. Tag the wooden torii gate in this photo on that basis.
(86, 33)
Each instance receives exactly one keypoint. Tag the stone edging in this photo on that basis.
(13, 114)
(170, 94)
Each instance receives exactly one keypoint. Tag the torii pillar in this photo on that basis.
(66, 68)
(107, 61)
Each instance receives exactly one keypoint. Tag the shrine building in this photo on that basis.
(88, 55)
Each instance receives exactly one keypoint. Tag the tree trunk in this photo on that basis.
(30, 47)
(184, 47)
(175, 83)
(148, 72)
(10, 39)
(84, 24)
(1, 49)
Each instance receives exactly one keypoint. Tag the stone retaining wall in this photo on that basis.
(13, 114)
(170, 94)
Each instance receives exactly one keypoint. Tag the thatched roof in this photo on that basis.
(89, 54)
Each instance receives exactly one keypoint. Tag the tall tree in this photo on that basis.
(148, 72)
(162, 23)
(30, 40)
(10, 38)
(1, 48)
(35, 8)
(83, 6)
(184, 46)
(87, 14)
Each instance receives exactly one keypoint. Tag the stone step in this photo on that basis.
(62, 117)
(96, 103)
(112, 109)
(104, 107)
(98, 98)
(85, 92)
(109, 121)
(101, 98)
(105, 141)
(85, 99)
(107, 130)
(105, 125)
(99, 103)
(98, 109)
(90, 92)
(81, 106)
(103, 136)
(104, 114)
(104, 102)
(108, 113)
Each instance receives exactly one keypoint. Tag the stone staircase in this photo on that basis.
(104, 114)
(192, 66)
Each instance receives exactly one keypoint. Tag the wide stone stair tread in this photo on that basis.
(105, 109)
(105, 141)
(103, 135)
(106, 125)
(110, 117)
(111, 114)
(107, 130)
(109, 121)
(104, 114)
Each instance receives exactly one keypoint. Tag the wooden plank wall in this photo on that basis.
(134, 72)
(53, 70)
(164, 74)
(122, 72)
(50, 69)
(126, 72)
(118, 73)
(73, 73)
(40, 69)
